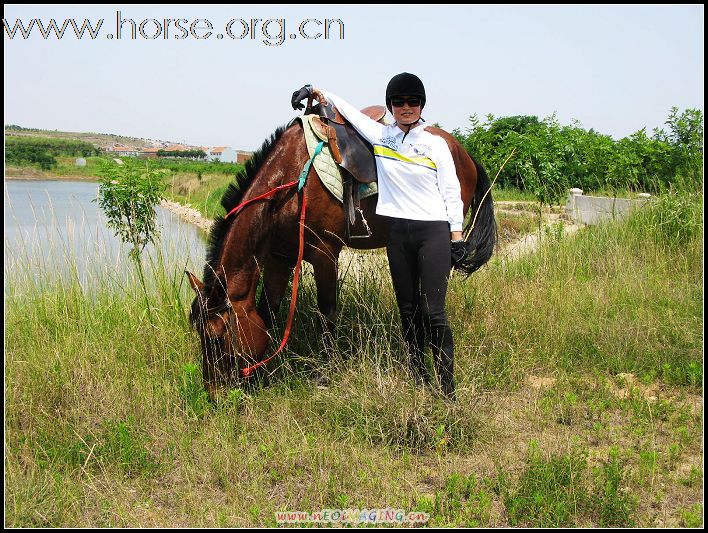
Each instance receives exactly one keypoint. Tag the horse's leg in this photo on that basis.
(276, 276)
(324, 263)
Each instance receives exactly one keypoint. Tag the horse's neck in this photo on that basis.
(243, 248)
(245, 243)
(239, 259)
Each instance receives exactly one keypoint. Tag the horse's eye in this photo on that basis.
(216, 325)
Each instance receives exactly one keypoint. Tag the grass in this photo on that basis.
(203, 194)
(579, 404)
(513, 225)
(512, 194)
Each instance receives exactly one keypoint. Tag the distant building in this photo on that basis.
(149, 153)
(177, 148)
(242, 157)
(225, 154)
(123, 151)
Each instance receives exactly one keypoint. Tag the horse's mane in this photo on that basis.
(231, 198)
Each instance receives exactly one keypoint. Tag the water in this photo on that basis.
(55, 228)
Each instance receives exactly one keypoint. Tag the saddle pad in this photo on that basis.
(327, 170)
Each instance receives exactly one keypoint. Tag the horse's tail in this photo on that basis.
(481, 240)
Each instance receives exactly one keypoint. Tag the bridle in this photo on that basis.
(227, 305)
(207, 313)
(210, 312)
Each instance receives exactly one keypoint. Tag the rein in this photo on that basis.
(300, 182)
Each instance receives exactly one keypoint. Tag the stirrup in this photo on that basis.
(366, 226)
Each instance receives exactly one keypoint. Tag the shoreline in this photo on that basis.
(52, 178)
(188, 214)
(510, 251)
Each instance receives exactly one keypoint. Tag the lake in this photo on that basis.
(56, 228)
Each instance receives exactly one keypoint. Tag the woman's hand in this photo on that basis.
(458, 248)
(458, 251)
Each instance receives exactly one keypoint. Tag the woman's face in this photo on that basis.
(405, 114)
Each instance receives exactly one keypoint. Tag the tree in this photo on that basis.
(128, 195)
(686, 135)
(549, 158)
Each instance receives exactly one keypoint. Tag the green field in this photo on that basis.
(580, 397)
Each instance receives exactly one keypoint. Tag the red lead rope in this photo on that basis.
(245, 372)
(236, 210)
(293, 298)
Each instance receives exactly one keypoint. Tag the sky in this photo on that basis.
(616, 69)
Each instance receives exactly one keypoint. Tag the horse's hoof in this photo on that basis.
(320, 380)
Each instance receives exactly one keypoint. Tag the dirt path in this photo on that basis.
(530, 242)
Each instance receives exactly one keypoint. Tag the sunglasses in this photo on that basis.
(397, 101)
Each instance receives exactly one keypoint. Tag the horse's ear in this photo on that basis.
(197, 285)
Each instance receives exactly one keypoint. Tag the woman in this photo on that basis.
(420, 193)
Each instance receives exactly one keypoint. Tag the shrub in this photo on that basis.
(549, 157)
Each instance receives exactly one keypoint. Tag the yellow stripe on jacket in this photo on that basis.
(388, 153)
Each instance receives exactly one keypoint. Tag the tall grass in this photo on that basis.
(203, 193)
(107, 425)
(624, 296)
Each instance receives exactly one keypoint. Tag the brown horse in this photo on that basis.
(263, 240)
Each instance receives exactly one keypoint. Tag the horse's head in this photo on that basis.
(230, 332)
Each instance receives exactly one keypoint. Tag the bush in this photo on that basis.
(128, 195)
(549, 158)
(43, 151)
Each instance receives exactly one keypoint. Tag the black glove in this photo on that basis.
(458, 252)
(300, 95)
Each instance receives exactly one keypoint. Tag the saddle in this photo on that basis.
(353, 154)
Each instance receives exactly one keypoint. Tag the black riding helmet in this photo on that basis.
(405, 84)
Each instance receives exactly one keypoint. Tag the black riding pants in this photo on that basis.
(419, 259)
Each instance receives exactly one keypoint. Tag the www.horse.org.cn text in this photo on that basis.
(271, 31)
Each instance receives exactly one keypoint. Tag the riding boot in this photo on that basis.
(414, 336)
(443, 354)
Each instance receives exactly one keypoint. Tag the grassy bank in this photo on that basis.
(202, 193)
(65, 169)
(579, 372)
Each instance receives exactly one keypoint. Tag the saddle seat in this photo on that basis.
(352, 153)
(375, 112)
(349, 149)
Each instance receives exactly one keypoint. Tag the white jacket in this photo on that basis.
(417, 177)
